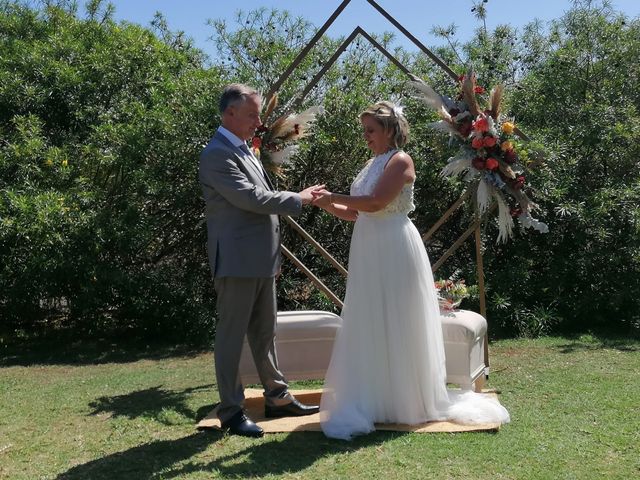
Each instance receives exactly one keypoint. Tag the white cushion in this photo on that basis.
(304, 342)
(463, 326)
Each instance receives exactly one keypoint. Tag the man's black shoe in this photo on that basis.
(242, 425)
(292, 409)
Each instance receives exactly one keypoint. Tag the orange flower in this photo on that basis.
(506, 146)
(481, 125)
(507, 127)
(256, 142)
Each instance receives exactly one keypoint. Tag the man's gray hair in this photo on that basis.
(236, 93)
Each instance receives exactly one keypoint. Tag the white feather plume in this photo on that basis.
(505, 222)
(482, 196)
(445, 127)
(444, 114)
(283, 156)
(470, 175)
(285, 127)
(456, 166)
(427, 94)
(527, 221)
(305, 118)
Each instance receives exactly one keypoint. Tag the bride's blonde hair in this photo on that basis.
(391, 118)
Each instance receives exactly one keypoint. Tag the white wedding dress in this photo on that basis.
(388, 362)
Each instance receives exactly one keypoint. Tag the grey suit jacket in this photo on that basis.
(242, 212)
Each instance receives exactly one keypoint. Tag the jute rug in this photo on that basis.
(254, 405)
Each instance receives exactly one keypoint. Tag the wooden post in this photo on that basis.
(316, 245)
(316, 281)
(481, 293)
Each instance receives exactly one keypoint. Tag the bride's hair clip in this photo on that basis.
(398, 111)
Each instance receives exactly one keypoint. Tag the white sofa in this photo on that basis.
(464, 333)
(304, 341)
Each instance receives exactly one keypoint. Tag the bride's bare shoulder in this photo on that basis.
(401, 158)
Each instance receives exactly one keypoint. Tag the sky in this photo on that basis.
(417, 16)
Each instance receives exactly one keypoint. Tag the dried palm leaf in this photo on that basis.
(278, 127)
(273, 102)
(506, 170)
(495, 100)
(468, 92)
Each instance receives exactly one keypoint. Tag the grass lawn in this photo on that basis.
(97, 412)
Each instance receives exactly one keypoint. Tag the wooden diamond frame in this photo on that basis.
(474, 227)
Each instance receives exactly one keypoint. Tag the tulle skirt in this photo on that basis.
(388, 362)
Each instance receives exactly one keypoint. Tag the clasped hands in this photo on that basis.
(317, 195)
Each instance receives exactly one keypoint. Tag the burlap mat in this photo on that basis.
(254, 405)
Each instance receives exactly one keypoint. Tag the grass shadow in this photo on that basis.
(598, 341)
(57, 351)
(266, 457)
(149, 403)
(144, 461)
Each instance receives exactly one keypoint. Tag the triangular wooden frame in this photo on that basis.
(474, 228)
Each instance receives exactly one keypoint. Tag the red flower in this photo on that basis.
(515, 211)
(489, 141)
(519, 183)
(510, 156)
(465, 128)
(256, 142)
(478, 89)
(481, 124)
(477, 142)
(478, 163)
(492, 163)
(461, 78)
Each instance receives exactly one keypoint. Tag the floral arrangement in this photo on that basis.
(488, 156)
(274, 144)
(451, 293)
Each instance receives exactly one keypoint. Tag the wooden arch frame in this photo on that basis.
(474, 227)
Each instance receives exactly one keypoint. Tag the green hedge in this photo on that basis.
(101, 125)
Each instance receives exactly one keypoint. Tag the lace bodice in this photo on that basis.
(367, 179)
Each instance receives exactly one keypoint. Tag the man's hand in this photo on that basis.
(307, 194)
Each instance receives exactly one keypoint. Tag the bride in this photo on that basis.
(388, 362)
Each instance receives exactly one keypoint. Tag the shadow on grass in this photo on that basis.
(144, 461)
(598, 341)
(170, 458)
(56, 351)
(151, 402)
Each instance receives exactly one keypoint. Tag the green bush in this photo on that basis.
(101, 125)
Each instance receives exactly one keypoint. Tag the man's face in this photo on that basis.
(244, 118)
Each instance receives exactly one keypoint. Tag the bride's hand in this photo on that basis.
(321, 198)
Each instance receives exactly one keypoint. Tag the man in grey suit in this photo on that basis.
(242, 211)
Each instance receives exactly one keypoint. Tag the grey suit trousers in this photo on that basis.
(246, 306)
